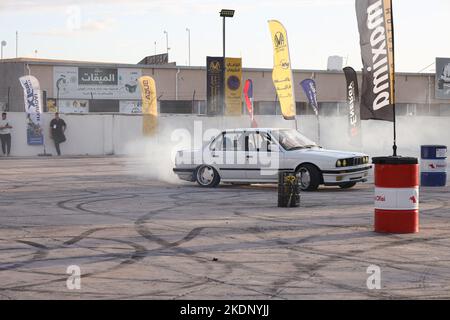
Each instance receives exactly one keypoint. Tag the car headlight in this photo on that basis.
(338, 163)
(344, 163)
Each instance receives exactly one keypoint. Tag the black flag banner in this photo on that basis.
(377, 49)
(354, 118)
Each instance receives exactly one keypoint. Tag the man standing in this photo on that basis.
(5, 134)
(57, 128)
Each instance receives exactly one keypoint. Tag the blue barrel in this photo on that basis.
(433, 166)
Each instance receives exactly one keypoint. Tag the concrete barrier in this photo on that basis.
(103, 134)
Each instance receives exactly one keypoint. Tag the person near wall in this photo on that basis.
(5, 134)
(57, 128)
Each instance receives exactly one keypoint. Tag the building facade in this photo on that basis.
(92, 87)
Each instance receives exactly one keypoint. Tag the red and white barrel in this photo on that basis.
(396, 194)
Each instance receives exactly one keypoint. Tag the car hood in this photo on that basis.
(333, 154)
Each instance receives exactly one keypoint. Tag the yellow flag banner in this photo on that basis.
(282, 72)
(149, 105)
(233, 86)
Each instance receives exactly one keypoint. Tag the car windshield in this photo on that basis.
(291, 139)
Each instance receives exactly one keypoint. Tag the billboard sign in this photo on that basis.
(156, 59)
(233, 86)
(442, 78)
(96, 83)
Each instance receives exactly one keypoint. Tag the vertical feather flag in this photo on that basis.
(282, 73)
(149, 105)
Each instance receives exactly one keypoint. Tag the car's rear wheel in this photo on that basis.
(309, 177)
(207, 177)
(347, 185)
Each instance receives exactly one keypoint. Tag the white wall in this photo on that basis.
(90, 134)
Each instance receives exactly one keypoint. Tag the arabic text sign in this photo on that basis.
(97, 76)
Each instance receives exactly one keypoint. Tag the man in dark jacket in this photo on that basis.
(5, 134)
(57, 129)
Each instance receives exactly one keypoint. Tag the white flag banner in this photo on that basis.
(33, 108)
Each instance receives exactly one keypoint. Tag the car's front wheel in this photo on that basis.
(347, 185)
(207, 176)
(309, 177)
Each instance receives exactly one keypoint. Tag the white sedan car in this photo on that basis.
(245, 156)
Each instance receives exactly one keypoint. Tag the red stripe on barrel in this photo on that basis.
(396, 221)
(397, 176)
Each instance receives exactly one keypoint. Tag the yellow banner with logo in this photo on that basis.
(282, 73)
(233, 86)
(149, 105)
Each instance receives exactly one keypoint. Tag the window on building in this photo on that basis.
(97, 105)
(176, 106)
(304, 109)
(267, 108)
(444, 109)
(342, 109)
(199, 107)
(328, 109)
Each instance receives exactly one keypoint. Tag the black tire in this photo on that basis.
(204, 180)
(315, 177)
(347, 185)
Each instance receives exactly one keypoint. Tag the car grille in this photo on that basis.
(357, 161)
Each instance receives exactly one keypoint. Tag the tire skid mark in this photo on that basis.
(40, 253)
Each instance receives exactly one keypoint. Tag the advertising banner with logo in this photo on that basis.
(73, 106)
(354, 118)
(248, 95)
(377, 50)
(96, 83)
(33, 109)
(215, 74)
(233, 86)
(51, 105)
(130, 107)
(149, 105)
(282, 72)
(309, 87)
(442, 78)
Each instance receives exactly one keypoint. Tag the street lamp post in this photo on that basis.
(167, 41)
(225, 13)
(3, 45)
(189, 46)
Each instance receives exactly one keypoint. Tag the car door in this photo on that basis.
(233, 164)
(262, 157)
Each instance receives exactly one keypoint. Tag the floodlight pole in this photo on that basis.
(224, 63)
(223, 37)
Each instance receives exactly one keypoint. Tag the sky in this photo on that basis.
(126, 31)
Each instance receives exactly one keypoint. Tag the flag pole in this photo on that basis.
(394, 147)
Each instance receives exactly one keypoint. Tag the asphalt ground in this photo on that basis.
(136, 238)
